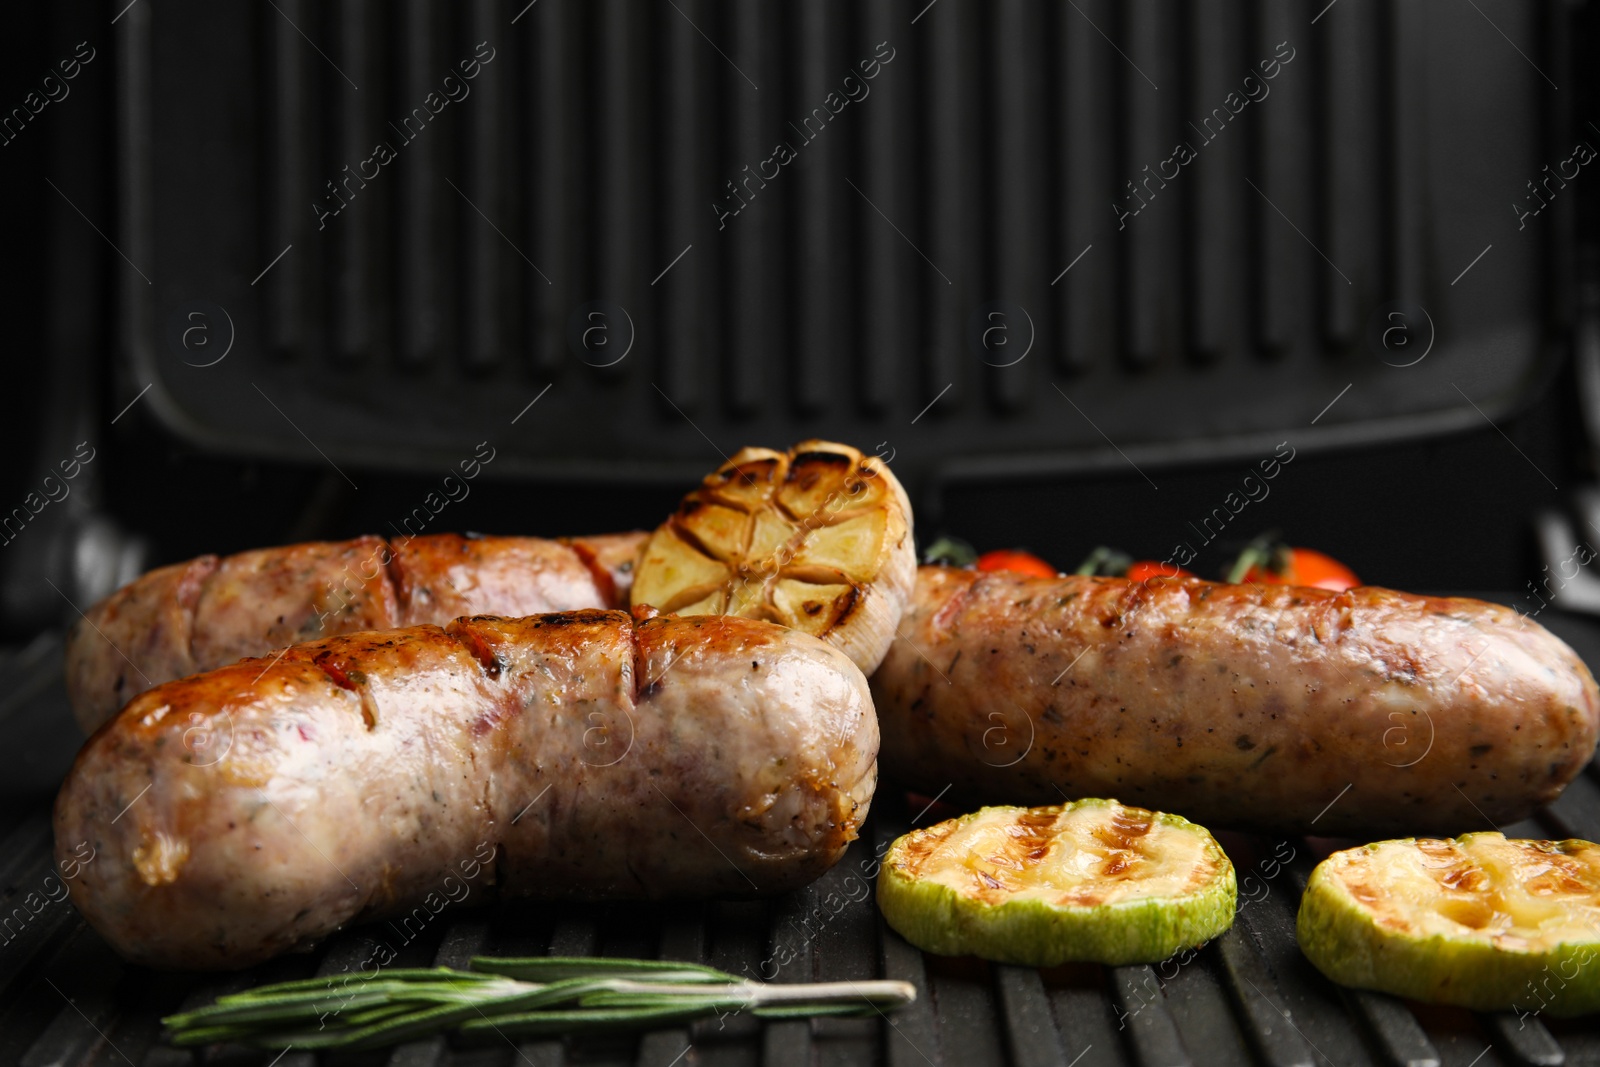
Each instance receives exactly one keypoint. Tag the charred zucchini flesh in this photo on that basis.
(1480, 921)
(1092, 881)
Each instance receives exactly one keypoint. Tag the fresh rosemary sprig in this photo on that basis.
(537, 995)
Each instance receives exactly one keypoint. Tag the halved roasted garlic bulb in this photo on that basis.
(817, 538)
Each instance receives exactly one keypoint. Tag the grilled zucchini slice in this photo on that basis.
(1479, 921)
(817, 538)
(1087, 881)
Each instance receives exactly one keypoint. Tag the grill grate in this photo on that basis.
(66, 1000)
(854, 290)
(1249, 997)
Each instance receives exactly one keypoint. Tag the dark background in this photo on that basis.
(1450, 510)
(1216, 325)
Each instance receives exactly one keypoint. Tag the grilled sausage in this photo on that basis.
(258, 808)
(209, 612)
(1276, 708)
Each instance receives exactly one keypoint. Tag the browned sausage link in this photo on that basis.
(210, 612)
(242, 813)
(1279, 708)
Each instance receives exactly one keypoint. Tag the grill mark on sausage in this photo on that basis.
(502, 772)
(1133, 599)
(942, 619)
(339, 669)
(603, 581)
(636, 661)
(489, 661)
(343, 672)
(394, 574)
(644, 687)
(401, 581)
(1256, 698)
(555, 619)
(500, 707)
(178, 620)
(191, 587)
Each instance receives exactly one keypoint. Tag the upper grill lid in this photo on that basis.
(977, 239)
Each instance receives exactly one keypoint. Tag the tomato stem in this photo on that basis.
(950, 551)
(1265, 551)
(1105, 562)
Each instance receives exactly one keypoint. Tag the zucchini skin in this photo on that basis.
(1235, 705)
(254, 810)
(1033, 933)
(1342, 941)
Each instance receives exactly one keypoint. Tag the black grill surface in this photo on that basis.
(401, 317)
(1249, 997)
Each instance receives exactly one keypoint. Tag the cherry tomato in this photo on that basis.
(1321, 571)
(1016, 561)
(1145, 569)
(1307, 566)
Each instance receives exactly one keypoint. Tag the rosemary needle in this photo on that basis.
(538, 995)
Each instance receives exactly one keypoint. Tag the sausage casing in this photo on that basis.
(241, 813)
(210, 611)
(1275, 708)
